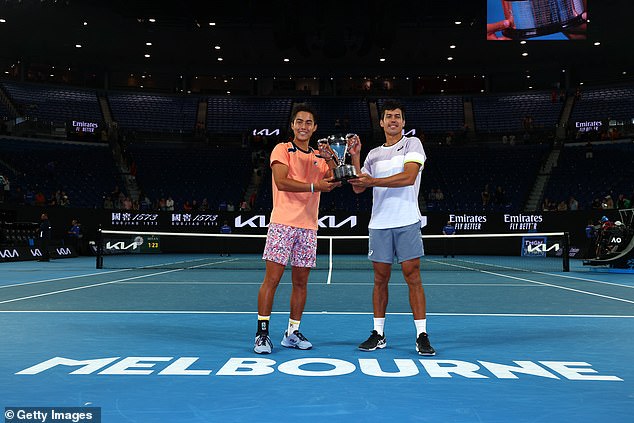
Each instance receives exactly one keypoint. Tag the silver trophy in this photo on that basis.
(532, 18)
(336, 146)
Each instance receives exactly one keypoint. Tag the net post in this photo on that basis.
(99, 252)
(566, 252)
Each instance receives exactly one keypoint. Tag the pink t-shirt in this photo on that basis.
(297, 209)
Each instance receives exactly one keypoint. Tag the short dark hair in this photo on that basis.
(303, 107)
(392, 105)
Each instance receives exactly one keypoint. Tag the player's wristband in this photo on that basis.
(312, 187)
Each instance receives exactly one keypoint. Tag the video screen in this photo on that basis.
(537, 19)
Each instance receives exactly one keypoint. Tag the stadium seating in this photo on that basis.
(240, 115)
(609, 172)
(4, 111)
(353, 115)
(462, 172)
(454, 171)
(599, 104)
(432, 114)
(54, 104)
(504, 113)
(154, 112)
(192, 172)
(85, 172)
(222, 173)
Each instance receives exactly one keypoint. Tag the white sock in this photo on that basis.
(421, 326)
(379, 323)
(293, 325)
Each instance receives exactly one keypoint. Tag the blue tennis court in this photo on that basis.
(174, 345)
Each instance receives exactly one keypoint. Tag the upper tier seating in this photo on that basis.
(504, 113)
(353, 115)
(240, 115)
(432, 114)
(154, 112)
(54, 104)
(598, 104)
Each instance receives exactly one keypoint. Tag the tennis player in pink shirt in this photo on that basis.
(300, 174)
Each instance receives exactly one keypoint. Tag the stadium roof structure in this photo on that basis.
(284, 37)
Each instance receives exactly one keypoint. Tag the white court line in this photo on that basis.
(335, 313)
(537, 282)
(63, 278)
(86, 286)
(537, 272)
(97, 284)
(561, 287)
(107, 272)
(177, 270)
(318, 283)
(586, 280)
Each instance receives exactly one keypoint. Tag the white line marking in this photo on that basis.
(541, 283)
(319, 284)
(336, 313)
(66, 277)
(587, 280)
(537, 272)
(85, 287)
(99, 284)
(561, 287)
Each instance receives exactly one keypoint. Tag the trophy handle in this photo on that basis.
(353, 140)
(325, 150)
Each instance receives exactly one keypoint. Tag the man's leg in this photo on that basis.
(382, 272)
(299, 291)
(293, 338)
(411, 273)
(272, 276)
(377, 340)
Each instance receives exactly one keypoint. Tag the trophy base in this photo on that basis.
(518, 34)
(345, 172)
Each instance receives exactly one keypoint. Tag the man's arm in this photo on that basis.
(402, 179)
(284, 183)
(355, 160)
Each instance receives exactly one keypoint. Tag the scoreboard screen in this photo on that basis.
(151, 244)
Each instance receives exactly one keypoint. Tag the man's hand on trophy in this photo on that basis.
(363, 181)
(354, 144)
(325, 150)
(327, 185)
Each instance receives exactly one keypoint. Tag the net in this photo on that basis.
(491, 252)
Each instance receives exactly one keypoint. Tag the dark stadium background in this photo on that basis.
(212, 116)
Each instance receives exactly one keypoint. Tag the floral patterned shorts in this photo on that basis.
(298, 244)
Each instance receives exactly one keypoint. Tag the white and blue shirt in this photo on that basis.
(395, 207)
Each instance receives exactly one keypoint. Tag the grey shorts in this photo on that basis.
(404, 243)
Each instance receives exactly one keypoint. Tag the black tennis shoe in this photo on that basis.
(373, 342)
(423, 346)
